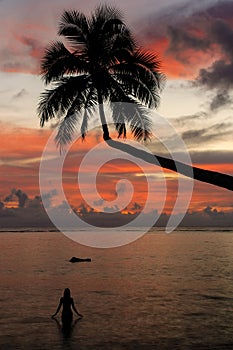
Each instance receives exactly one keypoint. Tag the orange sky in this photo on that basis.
(22, 149)
(177, 41)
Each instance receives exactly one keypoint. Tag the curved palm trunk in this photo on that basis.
(103, 118)
(211, 177)
(208, 176)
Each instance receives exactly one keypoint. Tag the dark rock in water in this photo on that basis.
(74, 259)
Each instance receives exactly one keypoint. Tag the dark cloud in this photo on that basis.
(25, 56)
(216, 157)
(200, 31)
(212, 211)
(184, 120)
(36, 216)
(193, 134)
(181, 41)
(218, 75)
(10, 197)
(111, 209)
(217, 37)
(195, 28)
(99, 202)
(222, 33)
(21, 93)
(136, 206)
(221, 10)
(82, 209)
(196, 136)
(34, 202)
(174, 15)
(221, 99)
(21, 196)
(207, 157)
(208, 216)
(47, 197)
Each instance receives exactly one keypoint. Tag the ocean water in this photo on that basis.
(161, 292)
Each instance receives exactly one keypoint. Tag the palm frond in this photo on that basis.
(117, 97)
(127, 111)
(136, 116)
(113, 34)
(58, 61)
(66, 128)
(150, 61)
(49, 104)
(74, 26)
(119, 45)
(140, 122)
(113, 26)
(102, 64)
(84, 125)
(124, 41)
(141, 86)
(107, 33)
(104, 14)
(56, 101)
(81, 108)
(139, 73)
(91, 102)
(121, 129)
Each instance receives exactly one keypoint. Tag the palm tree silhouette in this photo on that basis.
(104, 64)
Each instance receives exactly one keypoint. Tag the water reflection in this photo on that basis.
(66, 329)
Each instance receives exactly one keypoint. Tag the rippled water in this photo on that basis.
(161, 292)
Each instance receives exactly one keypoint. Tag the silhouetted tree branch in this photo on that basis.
(208, 176)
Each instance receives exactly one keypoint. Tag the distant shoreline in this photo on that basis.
(34, 219)
(158, 228)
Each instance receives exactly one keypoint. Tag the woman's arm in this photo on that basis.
(58, 308)
(75, 310)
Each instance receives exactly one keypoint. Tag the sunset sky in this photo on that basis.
(194, 40)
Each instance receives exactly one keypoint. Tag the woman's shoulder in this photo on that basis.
(66, 300)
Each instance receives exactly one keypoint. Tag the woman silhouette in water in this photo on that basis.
(68, 304)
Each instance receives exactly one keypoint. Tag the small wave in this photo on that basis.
(30, 229)
(101, 292)
(215, 297)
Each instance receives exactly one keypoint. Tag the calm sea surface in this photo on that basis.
(161, 292)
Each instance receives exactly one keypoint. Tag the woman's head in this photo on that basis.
(67, 293)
